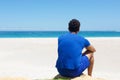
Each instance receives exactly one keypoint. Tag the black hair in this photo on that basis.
(74, 25)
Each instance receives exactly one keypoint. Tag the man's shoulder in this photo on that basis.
(63, 35)
(80, 37)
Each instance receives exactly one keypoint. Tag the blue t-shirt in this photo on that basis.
(70, 48)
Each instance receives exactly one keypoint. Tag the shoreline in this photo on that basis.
(56, 37)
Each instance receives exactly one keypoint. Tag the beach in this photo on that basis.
(35, 58)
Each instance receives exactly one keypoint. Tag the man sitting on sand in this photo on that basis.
(71, 61)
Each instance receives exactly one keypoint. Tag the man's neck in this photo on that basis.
(74, 32)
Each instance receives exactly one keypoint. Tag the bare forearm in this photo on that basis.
(91, 48)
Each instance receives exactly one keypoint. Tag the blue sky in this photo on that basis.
(100, 15)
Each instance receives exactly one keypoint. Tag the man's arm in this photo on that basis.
(91, 48)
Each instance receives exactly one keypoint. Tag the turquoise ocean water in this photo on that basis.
(50, 34)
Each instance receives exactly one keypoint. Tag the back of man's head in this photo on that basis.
(74, 25)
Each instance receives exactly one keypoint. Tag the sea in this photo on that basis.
(55, 34)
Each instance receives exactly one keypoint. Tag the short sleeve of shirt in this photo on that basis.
(87, 43)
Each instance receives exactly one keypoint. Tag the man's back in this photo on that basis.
(70, 50)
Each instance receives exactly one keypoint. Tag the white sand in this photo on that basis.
(36, 57)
